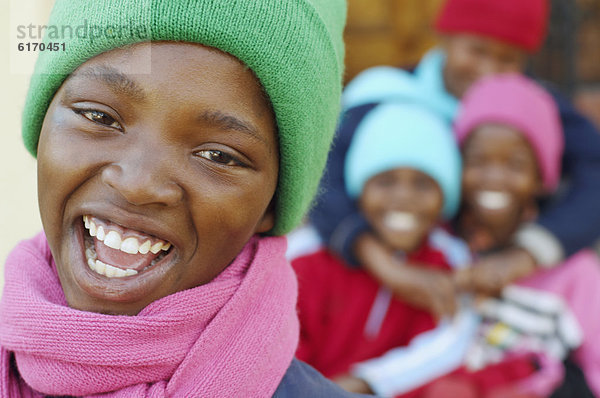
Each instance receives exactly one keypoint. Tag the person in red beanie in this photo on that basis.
(487, 37)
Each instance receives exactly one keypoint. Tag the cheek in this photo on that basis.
(230, 210)
(470, 180)
(431, 205)
(525, 185)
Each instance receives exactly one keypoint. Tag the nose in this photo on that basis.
(401, 194)
(495, 174)
(143, 179)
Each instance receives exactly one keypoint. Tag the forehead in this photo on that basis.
(497, 138)
(463, 40)
(403, 175)
(169, 70)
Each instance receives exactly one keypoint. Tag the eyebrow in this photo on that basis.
(118, 82)
(230, 122)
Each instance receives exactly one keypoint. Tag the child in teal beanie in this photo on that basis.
(403, 168)
(176, 140)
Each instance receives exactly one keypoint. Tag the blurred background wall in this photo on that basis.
(379, 32)
(19, 218)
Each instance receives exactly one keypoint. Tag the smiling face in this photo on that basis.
(500, 178)
(472, 57)
(402, 205)
(173, 172)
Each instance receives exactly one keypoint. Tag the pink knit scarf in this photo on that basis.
(235, 336)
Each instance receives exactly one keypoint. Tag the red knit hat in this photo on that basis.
(519, 22)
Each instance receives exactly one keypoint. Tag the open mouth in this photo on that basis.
(493, 200)
(400, 221)
(116, 252)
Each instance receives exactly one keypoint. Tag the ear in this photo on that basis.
(267, 222)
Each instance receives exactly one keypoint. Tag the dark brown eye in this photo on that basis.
(219, 157)
(99, 117)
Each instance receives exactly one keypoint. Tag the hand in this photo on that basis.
(423, 287)
(490, 274)
(353, 384)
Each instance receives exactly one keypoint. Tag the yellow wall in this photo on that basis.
(388, 32)
(19, 218)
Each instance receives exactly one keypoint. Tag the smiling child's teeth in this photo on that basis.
(113, 240)
(156, 247)
(100, 234)
(130, 245)
(93, 229)
(493, 200)
(89, 253)
(110, 271)
(100, 267)
(145, 247)
(399, 220)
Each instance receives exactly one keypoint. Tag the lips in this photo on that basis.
(116, 252)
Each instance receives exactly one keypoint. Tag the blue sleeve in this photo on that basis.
(335, 215)
(574, 218)
(301, 380)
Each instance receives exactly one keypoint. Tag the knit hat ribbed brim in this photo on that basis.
(294, 47)
(398, 135)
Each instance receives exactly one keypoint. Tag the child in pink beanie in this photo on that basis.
(517, 101)
(512, 143)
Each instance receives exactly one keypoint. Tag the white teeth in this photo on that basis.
(113, 240)
(400, 221)
(100, 235)
(89, 253)
(93, 229)
(156, 247)
(130, 245)
(110, 271)
(100, 267)
(145, 247)
(493, 200)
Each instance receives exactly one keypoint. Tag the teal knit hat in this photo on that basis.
(405, 135)
(294, 47)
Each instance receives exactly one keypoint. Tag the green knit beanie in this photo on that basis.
(294, 47)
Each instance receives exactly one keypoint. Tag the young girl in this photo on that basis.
(511, 140)
(403, 168)
(170, 145)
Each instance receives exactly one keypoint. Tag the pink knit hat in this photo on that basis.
(518, 102)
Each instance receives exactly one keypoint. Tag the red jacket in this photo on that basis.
(334, 304)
